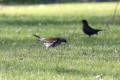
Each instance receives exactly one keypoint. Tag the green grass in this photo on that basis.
(22, 57)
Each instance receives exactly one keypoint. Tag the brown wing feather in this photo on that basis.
(50, 40)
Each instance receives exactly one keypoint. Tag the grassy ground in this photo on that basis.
(22, 57)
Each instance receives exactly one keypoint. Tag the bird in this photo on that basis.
(51, 42)
(88, 30)
(99, 77)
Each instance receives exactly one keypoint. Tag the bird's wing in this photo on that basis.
(50, 40)
(90, 28)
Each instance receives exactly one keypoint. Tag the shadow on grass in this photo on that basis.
(75, 72)
(28, 20)
(70, 71)
(50, 2)
(83, 72)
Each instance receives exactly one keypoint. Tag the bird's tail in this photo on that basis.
(99, 30)
(37, 36)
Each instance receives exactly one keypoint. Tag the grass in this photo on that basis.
(22, 57)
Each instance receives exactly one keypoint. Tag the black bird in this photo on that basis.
(88, 30)
(51, 42)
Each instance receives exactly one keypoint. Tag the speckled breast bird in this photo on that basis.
(51, 42)
(88, 30)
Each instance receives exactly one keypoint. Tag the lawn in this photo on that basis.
(22, 57)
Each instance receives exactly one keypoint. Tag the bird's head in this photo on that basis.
(84, 21)
(63, 39)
